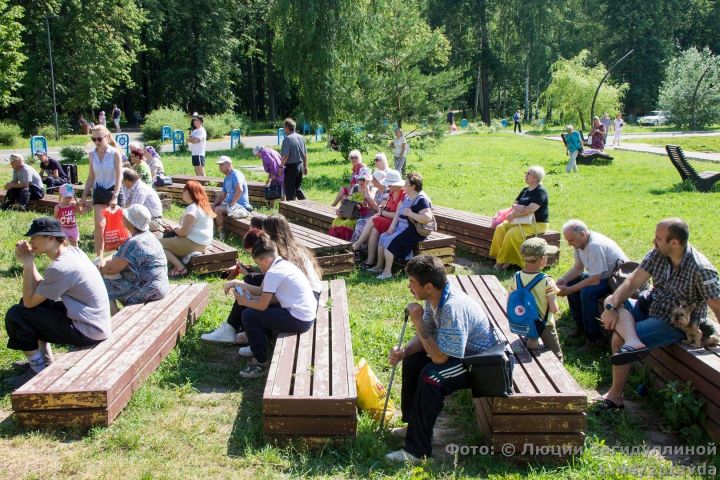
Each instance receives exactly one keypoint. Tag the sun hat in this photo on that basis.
(257, 149)
(67, 190)
(138, 216)
(199, 117)
(393, 179)
(536, 247)
(224, 159)
(45, 226)
(364, 173)
(379, 175)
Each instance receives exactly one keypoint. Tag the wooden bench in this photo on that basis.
(583, 158)
(218, 256)
(310, 389)
(703, 181)
(45, 204)
(548, 406)
(318, 216)
(175, 192)
(334, 255)
(474, 232)
(700, 366)
(256, 190)
(90, 387)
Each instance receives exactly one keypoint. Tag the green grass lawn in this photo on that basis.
(688, 144)
(65, 141)
(629, 128)
(196, 418)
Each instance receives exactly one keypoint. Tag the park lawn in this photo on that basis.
(688, 143)
(65, 141)
(628, 128)
(195, 418)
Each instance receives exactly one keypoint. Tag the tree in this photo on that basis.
(691, 89)
(572, 86)
(405, 72)
(11, 56)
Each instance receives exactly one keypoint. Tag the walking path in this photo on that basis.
(659, 150)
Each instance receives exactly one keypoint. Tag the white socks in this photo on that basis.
(36, 361)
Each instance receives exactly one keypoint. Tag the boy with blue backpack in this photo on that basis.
(533, 298)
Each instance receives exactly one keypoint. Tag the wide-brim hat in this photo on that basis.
(138, 216)
(393, 178)
(45, 226)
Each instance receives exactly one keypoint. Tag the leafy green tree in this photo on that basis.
(11, 56)
(572, 86)
(404, 70)
(691, 89)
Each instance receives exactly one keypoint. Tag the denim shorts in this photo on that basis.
(654, 332)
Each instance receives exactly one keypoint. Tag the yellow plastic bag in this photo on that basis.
(371, 393)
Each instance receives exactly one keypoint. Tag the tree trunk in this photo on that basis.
(261, 91)
(485, 54)
(527, 90)
(251, 89)
(270, 75)
(582, 120)
(477, 91)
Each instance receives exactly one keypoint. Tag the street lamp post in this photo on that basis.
(52, 77)
(592, 108)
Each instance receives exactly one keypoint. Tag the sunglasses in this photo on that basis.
(97, 139)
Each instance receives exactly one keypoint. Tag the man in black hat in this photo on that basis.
(68, 305)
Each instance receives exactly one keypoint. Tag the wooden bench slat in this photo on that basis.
(303, 364)
(286, 365)
(321, 372)
(543, 422)
(338, 335)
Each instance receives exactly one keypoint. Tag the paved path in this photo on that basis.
(657, 149)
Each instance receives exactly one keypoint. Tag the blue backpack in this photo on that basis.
(522, 311)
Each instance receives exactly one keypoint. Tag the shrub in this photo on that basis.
(349, 136)
(8, 133)
(683, 411)
(47, 131)
(220, 125)
(72, 154)
(155, 120)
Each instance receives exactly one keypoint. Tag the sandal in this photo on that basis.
(177, 273)
(628, 354)
(607, 404)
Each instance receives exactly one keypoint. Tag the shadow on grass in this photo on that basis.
(686, 186)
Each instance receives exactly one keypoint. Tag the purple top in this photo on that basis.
(271, 163)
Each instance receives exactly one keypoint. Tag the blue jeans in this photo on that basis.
(653, 332)
(584, 306)
(258, 325)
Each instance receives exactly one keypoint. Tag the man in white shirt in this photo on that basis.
(140, 193)
(25, 185)
(586, 283)
(197, 140)
(286, 284)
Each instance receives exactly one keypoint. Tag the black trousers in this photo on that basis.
(517, 127)
(23, 195)
(424, 388)
(293, 181)
(51, 182)
(47, 321)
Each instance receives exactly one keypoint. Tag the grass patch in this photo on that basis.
(197, 416)
(709, 144)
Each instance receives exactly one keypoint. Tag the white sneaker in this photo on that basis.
(401, 456)
(186, 259)
(399, 432)
(225, 333)
(245, 351)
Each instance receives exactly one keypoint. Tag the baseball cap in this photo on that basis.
(199, 117)
(138, 215)
(45, 226)
(536, 247)
(224, 159)
(67, 190)
(40, 151)
(257, 149)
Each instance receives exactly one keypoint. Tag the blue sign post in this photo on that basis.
(306, 128)
(178, 139)
(166, 133)
(123, 141)
(463, 123)
(280, 135)
(319, 133)
(38, 142)
(234, 138)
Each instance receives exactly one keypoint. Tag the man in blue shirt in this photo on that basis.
(516, 118)
(449, 327)
(233, 201)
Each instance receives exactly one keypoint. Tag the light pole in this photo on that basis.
(52, 76)
(592, 108)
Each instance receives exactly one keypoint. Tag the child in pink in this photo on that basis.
(65, 212)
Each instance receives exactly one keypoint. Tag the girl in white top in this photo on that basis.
(105, 180)
(195, 232)
(618, 125)
(401, 149)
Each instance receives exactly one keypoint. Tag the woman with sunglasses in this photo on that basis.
(138, 163)
(105, 180)
(355, 158)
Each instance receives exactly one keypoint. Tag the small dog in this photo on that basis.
(681, 318)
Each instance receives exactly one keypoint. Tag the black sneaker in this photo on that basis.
(5, 205)
(19, 380)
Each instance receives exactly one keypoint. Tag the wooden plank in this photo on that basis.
(284, 377)
(533, 423)
(541, 403)
(308, 426)
(304, 364)
(309, 406)
(321, 362)
(339, 319)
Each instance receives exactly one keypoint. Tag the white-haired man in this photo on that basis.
(234, 199)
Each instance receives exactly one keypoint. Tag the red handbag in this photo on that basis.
(115, 233)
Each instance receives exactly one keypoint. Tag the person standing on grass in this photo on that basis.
(449, 326)
(606, 123)
(294, 161)
(25, 185)
(197, 140)
(586, 283)
(574, 147)
(517, 127)
(102, 119)
(296, 312)
(116, 114)
(68, 304)
(681, 276)
(234, 200)
(400, 151)
(618, 126)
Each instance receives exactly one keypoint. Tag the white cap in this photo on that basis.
(138, 216)
(224, 159)
(257, 149)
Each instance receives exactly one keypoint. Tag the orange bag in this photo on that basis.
(115, 232)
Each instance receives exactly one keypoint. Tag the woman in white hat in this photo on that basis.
(137, 273)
